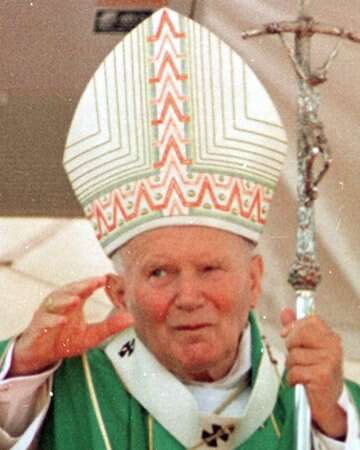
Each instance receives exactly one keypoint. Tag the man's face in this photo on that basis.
(190, 290)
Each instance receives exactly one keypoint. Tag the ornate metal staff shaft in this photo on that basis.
(305, 273)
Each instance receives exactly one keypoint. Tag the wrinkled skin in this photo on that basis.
(315, 360)
(190, 297)
(63, 332)
(188, 291)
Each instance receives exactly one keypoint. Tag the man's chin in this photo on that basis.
(188, 358)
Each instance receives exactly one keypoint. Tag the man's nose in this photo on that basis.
(189, 295)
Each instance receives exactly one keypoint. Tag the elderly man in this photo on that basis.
(178, 200)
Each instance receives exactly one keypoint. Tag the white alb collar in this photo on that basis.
(170, 402)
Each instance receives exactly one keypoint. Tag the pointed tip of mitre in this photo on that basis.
(163, 12)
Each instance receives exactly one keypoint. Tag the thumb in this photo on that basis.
(113, 324)
(287, 316)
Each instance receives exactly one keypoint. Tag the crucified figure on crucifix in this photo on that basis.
(312, 127)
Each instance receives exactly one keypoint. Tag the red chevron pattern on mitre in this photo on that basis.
(243, 200)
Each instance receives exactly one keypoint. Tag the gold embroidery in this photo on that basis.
(276, 426)
(273, 360)
(94, 401)
(150, 432)
(274, 364)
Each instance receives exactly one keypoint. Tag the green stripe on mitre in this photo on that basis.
(126, 227)
(153, 220)
(233, 172)
(114, 184)
(227, 217)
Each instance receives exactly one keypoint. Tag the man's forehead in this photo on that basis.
(185, 239)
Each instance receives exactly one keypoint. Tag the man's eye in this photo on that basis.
(158, 273)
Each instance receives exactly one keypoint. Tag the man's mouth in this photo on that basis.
(192, 327)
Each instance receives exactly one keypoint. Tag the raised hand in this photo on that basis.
(315, 360)
(58, 329)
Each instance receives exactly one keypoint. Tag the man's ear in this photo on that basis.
(256, 273)
(115, 290)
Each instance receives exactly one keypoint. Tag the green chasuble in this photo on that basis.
(92, 409)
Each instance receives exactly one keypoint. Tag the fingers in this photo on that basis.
(83, 289)
(321, 378)
(58, 328)
(97, 332)
(315, 361)
(311, 375)
(48, 321)
(299, 375)
(311, 332)
(71, 296)
(35, 348)
(323, 384)
(59, 302)
(305, 357)
(314, 354)
(41, 327)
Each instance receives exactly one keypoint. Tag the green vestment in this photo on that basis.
(73, 422)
